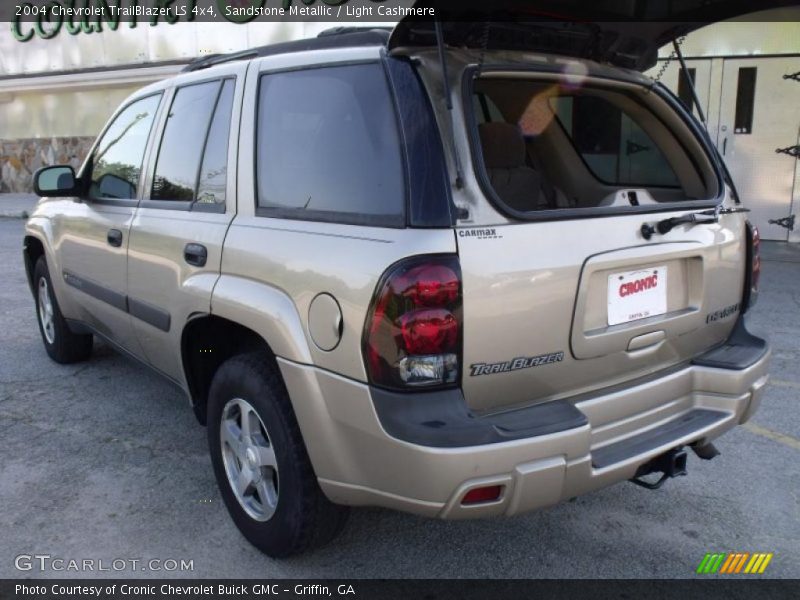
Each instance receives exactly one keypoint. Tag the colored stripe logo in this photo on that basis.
(734, 563)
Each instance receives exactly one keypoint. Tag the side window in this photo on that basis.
(117, 159)
(186, 135)
(214, 170)
(328, 147)
(614, 147)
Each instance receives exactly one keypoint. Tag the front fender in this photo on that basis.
(41, 229)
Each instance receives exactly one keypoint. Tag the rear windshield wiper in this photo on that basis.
(707, 216)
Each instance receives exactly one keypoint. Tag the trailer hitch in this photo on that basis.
(670, 464)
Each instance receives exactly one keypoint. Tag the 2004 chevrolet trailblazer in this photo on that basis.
(425, 271)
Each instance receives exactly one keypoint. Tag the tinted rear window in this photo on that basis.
(184, 138)
(214, 170)
(328, 147)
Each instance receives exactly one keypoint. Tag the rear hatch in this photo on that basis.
(544, 318)
(624, 34)
(567, 296)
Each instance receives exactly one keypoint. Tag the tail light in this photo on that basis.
(413, 333)
(753, 267)
(480, 495)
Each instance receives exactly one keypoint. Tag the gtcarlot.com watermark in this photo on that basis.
(46, 562)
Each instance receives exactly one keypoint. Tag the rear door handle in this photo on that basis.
(195, 254)
(114, 237)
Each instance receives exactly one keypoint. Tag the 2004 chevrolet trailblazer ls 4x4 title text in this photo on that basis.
(449, 288)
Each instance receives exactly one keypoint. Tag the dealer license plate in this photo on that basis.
(634, 295)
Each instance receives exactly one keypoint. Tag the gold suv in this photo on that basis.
(450, 276)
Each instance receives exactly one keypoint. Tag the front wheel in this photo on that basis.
(260, 461)
(61, 344)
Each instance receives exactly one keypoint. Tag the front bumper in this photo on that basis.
(361, 457)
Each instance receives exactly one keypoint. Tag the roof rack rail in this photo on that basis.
(212, 60)
(348, 29)
(335, 37)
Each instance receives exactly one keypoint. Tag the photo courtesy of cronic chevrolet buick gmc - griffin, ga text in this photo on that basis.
(415, 269)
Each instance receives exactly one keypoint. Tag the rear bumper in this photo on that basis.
(364, 455)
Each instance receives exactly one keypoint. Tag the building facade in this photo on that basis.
(56, 94)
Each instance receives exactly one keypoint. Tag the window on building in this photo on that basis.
(615, 148)
(745, 100)
(685, 90)
(117, 159)
(328, 147)
(181, 149)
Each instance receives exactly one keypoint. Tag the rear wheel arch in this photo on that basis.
(207, 342)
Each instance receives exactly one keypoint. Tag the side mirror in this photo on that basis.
(55, 181)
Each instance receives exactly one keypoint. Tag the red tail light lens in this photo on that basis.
(431, 285)
(413, 333)
(429, 331)
(753, 272)
(482, 494)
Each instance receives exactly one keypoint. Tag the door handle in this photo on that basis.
(724, 146)
(195, 254)
(114, 237)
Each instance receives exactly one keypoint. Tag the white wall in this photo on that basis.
(79, 104)
(779, 35)
(140, 44)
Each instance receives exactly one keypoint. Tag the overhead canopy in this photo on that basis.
(624, 33)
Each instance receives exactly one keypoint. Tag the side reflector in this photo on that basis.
(489, 493)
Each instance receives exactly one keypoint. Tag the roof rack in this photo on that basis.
(336, 37)
(347, 30)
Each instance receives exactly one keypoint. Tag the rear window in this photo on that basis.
(543, 146)
(192, 159)
(328, 148)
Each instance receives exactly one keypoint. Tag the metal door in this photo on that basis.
(758, 116)
(700, 70)
(175, 247)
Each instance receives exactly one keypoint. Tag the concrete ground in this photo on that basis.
(17, 205)
(103, 460)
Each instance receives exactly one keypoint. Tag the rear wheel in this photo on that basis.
(61, 344)
(261, 463)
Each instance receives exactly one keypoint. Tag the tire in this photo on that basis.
(61, 344)
(282, 510)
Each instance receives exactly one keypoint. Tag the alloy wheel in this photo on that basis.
(46, 311)
(249, 459)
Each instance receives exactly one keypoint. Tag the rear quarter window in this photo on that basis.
(328, 147)
(191, 167)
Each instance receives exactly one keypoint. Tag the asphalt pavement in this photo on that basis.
(17, 206)
(104, 461)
